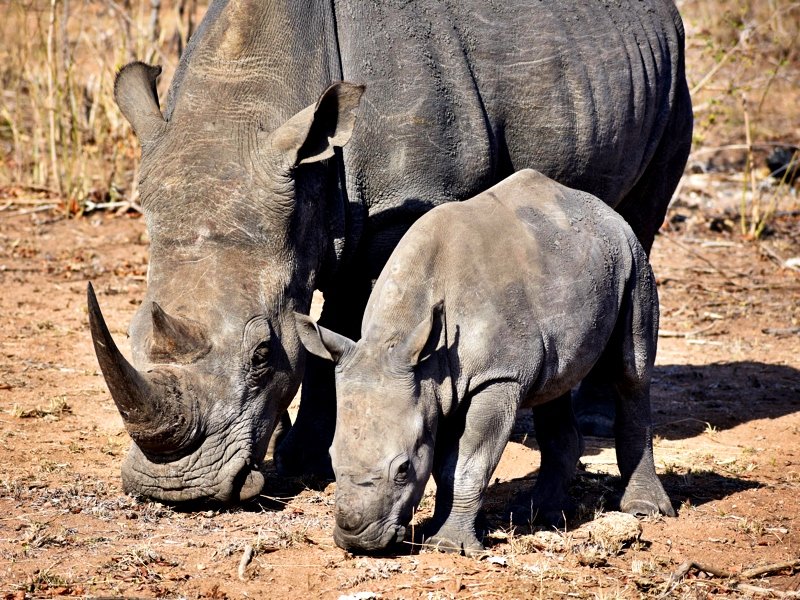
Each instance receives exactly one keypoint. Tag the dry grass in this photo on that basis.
(743, 66)
(61, 134)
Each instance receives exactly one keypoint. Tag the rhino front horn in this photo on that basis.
(150, 403)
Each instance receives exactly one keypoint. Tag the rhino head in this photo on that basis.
(386, 421)
(234, 215)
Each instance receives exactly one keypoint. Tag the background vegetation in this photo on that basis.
(63, 142)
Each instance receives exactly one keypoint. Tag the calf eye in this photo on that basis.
(260, 356)
(402, 471)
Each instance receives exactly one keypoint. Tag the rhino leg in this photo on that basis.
(281, 430)
(467, 452)
(644, 208)
(304, 451)
(561, 446)
(644, 494)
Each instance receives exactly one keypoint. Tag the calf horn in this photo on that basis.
(150, 403)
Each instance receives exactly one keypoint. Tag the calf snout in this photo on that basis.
(349, 513)
(349, 520)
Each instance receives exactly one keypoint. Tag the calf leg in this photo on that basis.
(467, 452)
(637, 329)
(643, 208)
(561, 446)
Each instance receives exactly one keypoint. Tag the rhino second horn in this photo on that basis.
(175, 339)
(150, 403)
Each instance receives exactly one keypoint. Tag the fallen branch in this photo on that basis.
(686, 566)
(769, 569)
(781, 331)
(669, 333)
(762, 591)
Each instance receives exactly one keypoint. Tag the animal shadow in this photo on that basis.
(689, 399)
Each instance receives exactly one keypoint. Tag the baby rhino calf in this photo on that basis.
(502, 301)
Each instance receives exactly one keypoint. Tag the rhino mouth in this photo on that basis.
(248, 483)
(193, 480)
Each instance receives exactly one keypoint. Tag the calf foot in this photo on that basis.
(450, 539)
(645, 500)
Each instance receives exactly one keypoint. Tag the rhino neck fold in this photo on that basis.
(269, 59)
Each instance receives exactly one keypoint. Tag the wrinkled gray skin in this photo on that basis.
(503, 301)
(459, 96)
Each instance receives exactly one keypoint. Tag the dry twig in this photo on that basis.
(247, 557)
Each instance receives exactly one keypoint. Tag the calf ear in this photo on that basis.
(137, 98)
(313, 133)
(411, 349)
(320, 341)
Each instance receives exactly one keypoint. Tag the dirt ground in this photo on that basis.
(726, 395)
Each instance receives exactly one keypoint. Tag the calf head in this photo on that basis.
(234, 215)
(386, 419)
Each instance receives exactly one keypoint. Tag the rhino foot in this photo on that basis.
(647, 501)
(551, 514)
(456, 541)
(594, 405)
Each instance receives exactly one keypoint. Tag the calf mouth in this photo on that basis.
(372, 539)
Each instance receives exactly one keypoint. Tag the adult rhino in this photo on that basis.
(250, 205)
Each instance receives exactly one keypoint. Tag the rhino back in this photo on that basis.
(461, 94)
(532, 275)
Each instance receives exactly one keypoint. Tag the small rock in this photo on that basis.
(792, 263)
(613, 530)
(546, 541)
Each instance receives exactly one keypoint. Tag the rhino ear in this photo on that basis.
(320, 341)
(137, 98)
(411, 351)
(312, 134)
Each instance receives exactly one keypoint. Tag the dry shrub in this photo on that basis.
(743, 67)
(743, 47)
(61, 135)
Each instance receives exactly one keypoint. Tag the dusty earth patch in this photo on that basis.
(726, 396)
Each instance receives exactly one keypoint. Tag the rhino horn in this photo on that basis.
(175, 339)
(150, 403)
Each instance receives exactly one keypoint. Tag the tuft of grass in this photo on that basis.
(58, 407)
